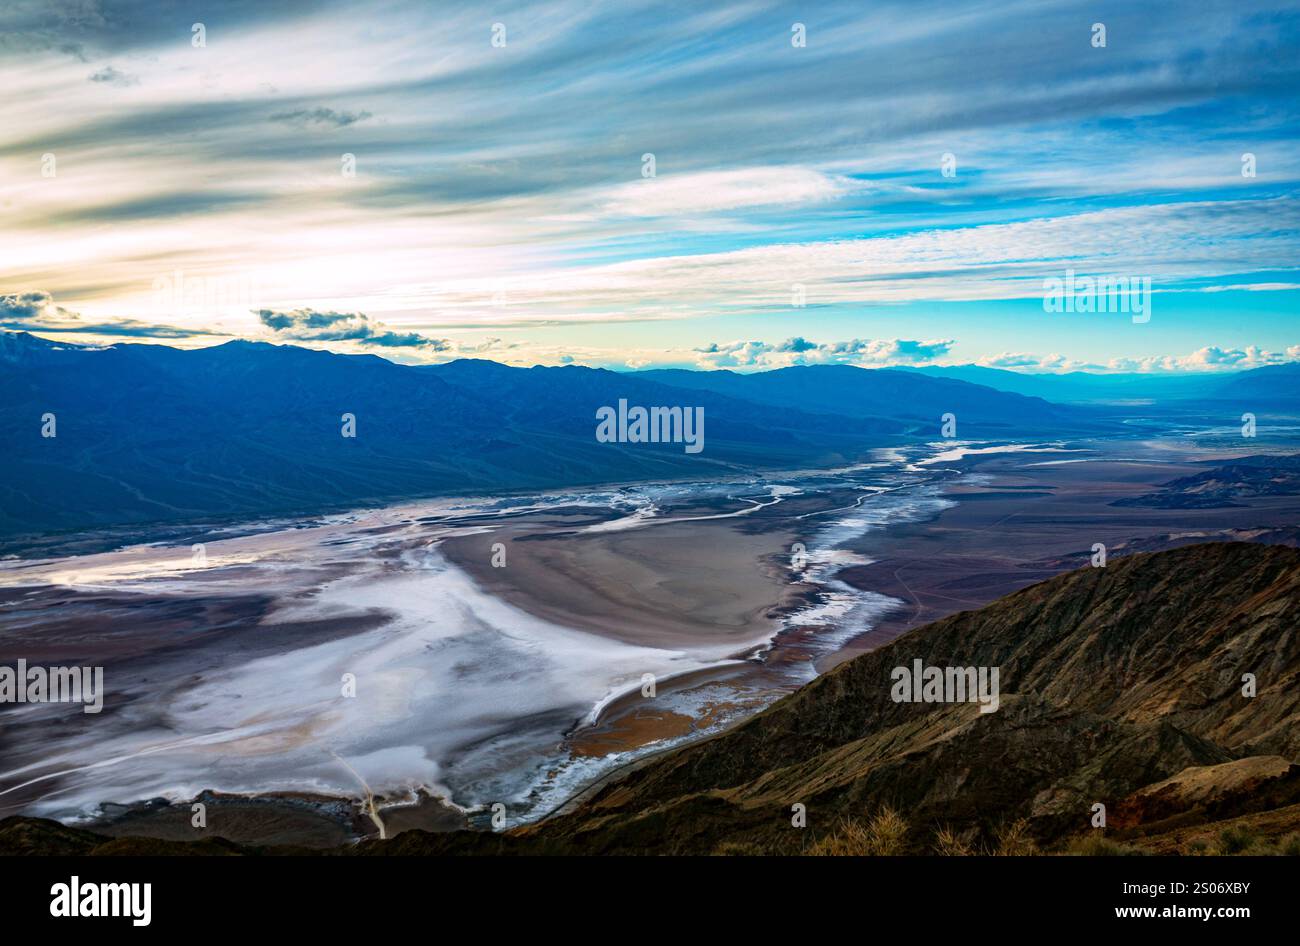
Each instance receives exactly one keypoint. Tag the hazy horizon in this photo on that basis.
(1027, 371)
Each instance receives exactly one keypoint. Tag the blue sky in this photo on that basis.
(156, 187)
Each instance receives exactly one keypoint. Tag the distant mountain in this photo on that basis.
(917, 399)
(21, 348)
(155, 434)
(1270, 385)
(1081, 386)
(152, 434)
(564, 400)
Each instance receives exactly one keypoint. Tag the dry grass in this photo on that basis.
(1098, 845)
(1240, 840)
(1013, 840)
(739, 849)
(882, 836)
(885, 834)
(948, 843)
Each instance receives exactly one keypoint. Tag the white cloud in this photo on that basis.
(1209, 358)
(1014, 359)
(675, 195)
(800, 351)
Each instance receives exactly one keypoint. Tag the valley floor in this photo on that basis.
(502, 648)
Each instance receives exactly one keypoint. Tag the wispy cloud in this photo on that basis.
(709, 192)
(481, 166)
(320, 116)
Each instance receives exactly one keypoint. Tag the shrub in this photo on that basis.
(1098, 845)
(1235, 840)
(882, 836)
(948, 843)
(1013, 840)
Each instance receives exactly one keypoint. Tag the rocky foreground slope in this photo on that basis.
(1125, 686)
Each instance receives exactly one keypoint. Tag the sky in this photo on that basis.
(629, 185)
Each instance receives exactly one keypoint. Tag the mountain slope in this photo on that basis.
(1112, 679)
(154, 434)
(1267, 385)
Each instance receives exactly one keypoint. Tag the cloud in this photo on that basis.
(485, 346)
(1053, 362)
(713, 191)
(111, 75)
(36, 311)
(1253, 287)
(1212, 358)
(320, 116)
(801, 351)
(775, 166)
(1011, 360)
(1208, 358)
(32, 307)
(308, 325)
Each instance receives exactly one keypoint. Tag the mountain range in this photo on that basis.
(1268, 386)
(148, 434)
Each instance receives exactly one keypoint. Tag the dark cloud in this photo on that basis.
(111, 75)
(36, 311)
(119, 26)
(797, 345)
(308, 325)
(320, 116)
(32, 306)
